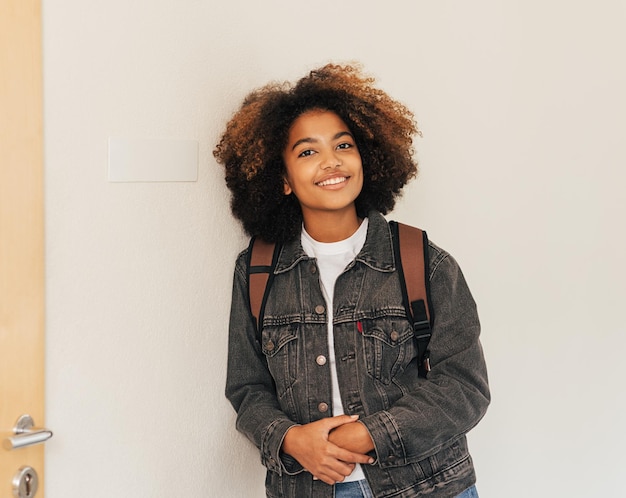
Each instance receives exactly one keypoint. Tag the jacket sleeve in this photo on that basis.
(455, 396)
(249, 384)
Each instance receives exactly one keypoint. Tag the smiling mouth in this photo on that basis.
(332, 181)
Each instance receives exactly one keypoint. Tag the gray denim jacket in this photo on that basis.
(418, 425)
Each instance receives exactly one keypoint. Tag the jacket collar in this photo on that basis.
(377, 252)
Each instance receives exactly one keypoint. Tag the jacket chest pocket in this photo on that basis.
(280, 346)
(388, 348)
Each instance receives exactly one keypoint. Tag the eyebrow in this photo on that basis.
(314, 140)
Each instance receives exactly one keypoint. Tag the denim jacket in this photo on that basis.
(418, 425)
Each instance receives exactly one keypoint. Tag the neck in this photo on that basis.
(331, 226)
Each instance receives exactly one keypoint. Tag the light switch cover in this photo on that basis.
(151, 160)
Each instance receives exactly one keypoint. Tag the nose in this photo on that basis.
(330, 160)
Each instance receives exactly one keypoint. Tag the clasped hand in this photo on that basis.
(330, 448)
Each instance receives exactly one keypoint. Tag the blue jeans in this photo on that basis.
(353, 489)
(469, 493)
(360, 489)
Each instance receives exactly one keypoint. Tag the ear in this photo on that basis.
(286, 187)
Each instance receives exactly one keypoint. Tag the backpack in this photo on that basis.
(410, 249)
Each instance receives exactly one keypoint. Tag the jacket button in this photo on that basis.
(394, 335)
(319, 309)
(269, 346)
(321, 360)
(391, 458)
(313, 268)
(322, 407)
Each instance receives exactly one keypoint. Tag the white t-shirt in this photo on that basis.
(332, 259)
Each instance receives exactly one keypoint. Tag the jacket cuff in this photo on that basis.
(387, 441)
(272, 456)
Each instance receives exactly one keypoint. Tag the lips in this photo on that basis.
(332, 181)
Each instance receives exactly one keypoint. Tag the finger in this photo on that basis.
(351, 457)
(333, 470)
(333, 422)
(331, 477)
(327, 480)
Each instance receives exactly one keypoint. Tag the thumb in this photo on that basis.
(334, 422)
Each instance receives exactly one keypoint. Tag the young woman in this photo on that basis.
(329, 389)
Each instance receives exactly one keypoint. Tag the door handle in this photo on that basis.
(26, 434)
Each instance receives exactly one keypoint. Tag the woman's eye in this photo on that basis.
(305, 153)
(345, 145)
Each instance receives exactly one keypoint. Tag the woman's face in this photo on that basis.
(323, 164)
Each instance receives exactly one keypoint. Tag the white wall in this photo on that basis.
(522, 106)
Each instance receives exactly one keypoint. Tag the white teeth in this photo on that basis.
(332, 181)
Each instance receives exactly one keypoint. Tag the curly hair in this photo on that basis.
(252, 146)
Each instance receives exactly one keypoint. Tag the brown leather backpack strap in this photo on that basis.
(260, 267)
(411, 249)
(414, 265)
